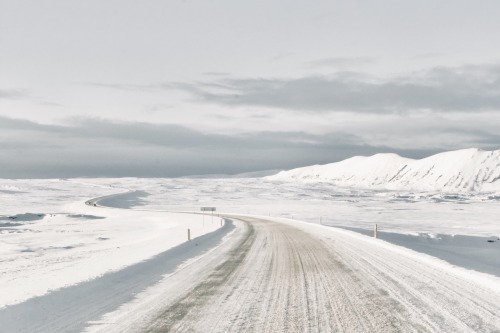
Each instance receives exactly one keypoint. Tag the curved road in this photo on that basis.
(279, 278)
(272, 277)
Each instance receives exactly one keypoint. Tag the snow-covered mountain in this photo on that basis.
(455, 171)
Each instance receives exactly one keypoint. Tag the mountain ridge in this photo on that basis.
(465, 170)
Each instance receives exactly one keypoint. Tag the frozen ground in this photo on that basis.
(50, 239)
(461, 228)
(395, 211)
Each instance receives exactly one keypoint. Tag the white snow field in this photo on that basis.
(284, 261)
(456, 171)
(49, 237)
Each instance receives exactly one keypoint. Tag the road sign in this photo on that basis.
(208, 209)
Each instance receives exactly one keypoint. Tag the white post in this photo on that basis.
(375, 231)
(189, 234)
(321, 220)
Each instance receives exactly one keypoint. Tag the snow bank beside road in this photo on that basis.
(378, 252)
(481, 254)
(83, 243)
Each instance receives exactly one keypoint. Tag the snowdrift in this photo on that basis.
(467, 170)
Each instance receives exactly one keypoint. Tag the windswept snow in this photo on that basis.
(456, 171)
(50, 239)
(66, 242)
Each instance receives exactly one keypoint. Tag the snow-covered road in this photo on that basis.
(261, 274)
(294, 277)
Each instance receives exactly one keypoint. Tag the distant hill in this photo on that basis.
(455, 171)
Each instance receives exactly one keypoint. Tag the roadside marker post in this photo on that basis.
(189, 234)
(375, 231)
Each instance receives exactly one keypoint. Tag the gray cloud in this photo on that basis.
(94, 147)
(341, 62)
(26, 96)
(442, 89)
(131, 87)
(472, 137)
(13, 94)
(216, 74)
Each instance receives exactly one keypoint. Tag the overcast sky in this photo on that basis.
(171, 88)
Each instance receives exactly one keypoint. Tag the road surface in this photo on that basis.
(298, 278)
(271, 276)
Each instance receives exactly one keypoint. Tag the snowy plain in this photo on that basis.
(50, 238)
(407, 212)
(461, 228)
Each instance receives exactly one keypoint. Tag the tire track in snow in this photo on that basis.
(440, 301)
(282, 279)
